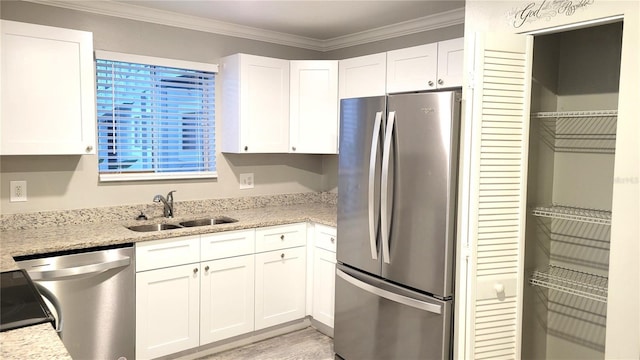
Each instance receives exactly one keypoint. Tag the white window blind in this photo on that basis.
(154, 122)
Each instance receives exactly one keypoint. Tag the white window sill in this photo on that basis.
(156, 176)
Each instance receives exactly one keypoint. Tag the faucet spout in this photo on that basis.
(167, 202)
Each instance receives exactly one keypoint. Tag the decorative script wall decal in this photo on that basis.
(545, 10)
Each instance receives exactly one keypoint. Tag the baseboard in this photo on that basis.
(240, 340)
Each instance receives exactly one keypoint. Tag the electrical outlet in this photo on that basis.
(18, 191)
(246, 181)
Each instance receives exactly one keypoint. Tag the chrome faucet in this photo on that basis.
(168, 203)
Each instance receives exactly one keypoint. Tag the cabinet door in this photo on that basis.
(450, 63)
(314, 107)
(496, 215)
(412, 69)
(280, 286)
(226, 298)
(48, 91)
(256, 104)
(324, 273)
(362, 76)
(167, 310)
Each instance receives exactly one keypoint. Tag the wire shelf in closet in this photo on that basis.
(573, 282)
(579, 131)
(592, 216)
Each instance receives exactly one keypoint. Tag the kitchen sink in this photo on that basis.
(184, 224)
(206, 222)
(153, 227)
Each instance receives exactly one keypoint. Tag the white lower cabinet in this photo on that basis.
(167, 310)
(226, 298)
(195, 290)
(280, 286)
(324, 273)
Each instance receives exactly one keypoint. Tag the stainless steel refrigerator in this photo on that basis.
(397, 182)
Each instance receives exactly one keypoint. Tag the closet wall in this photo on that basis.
(570, 185)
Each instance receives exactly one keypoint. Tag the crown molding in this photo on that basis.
(431, 22)
(139, 13)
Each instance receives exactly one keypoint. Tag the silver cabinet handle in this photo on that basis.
(282, 256)
(430, 83)
(375, 138)
(78, 270)
(401, 299)
(246, 148)
(195, 270)
(333, 240)
(384, 187)
(282, 237)
(89, 148)
(293, 148)
(206, 268)
(440, 82)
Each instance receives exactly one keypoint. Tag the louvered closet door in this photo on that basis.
(501, 96)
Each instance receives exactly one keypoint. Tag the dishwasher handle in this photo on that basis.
(78, 270)
(45, 293)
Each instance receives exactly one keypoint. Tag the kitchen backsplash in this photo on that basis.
(154, 210)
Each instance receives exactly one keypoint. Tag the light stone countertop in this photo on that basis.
(33, 342)
(41, 341)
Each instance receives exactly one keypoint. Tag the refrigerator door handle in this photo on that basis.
(384, 187)
(401, 299)
(375, 139)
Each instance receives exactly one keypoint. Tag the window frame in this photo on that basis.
(163, 62)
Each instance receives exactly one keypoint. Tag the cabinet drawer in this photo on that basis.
(168, 252)
(281, 237)
(227, 244)
(325, 237)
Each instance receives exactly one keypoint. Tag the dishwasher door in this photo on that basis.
(92, 296)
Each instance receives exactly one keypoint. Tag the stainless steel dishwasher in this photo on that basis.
(92, 296)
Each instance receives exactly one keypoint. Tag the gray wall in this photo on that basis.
(71, 182)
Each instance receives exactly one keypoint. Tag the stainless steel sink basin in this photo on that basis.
(153, 227)
(205, 222)
(184, 224)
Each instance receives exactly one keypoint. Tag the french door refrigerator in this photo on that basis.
(397, 181)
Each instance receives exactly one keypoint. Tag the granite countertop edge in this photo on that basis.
(41, 340)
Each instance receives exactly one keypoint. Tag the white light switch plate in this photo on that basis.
(246, 181)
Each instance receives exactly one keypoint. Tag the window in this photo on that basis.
(156, 118)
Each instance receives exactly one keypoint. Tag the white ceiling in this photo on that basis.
(318, 20)
(318, 25)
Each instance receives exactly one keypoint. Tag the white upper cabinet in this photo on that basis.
(450, 63)
(314, 107)
(363, 76)
(48, 91)
(425, 67)
(412, 69)
(255, 92)
(418, 68)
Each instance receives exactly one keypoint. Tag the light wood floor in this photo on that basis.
(305, 344)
